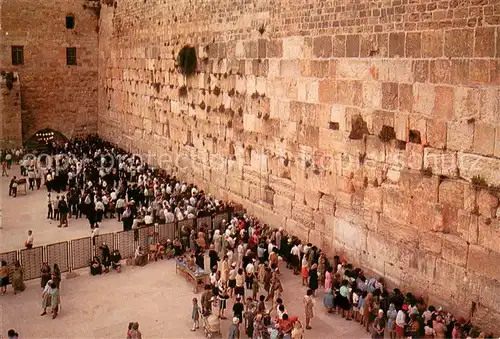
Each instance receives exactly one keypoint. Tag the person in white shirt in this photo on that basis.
(120, 206)
(99, 207)
(169, 216)
(148, 219)
(295, 259)
(29, 242)
(95, 233)
(400, 323)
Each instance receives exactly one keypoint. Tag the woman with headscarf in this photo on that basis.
(217, 239)
(391, 321)
(313, 278)
(55, 299)
(17, 278)
(56, 275)
(46, 297)
(328, 300)
(45, 270)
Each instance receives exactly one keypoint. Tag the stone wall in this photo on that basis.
(355, 124)
(54, 95)
(10, 114)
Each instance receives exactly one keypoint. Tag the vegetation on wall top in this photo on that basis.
(187, 60)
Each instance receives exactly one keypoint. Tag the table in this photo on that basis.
(195, 276)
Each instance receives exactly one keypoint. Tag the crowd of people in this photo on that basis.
(94, 179)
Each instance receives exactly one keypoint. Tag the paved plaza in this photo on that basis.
(102, 306)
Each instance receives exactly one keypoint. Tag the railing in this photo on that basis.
(77, 253)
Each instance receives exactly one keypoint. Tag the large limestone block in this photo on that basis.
(238, 186)
(424, 98)
(393, 70)
(296, 228)
(397, 232)
(353, 69)
(466, 103)
(467, 227)
(282, 186)
(375, 148)
(441, 162)
(482, 261)
(429, 242)
(395, 203)
(460, 136)
(373, 198)
(327, 204)
(293, 47)
(451, 192)
(454, 249)
(380, 248)
(254, 176)
(484, 139)
(471, 165)
(489, 234)
(487, 203)
(422, 265)
(282, 205)
(351, 235)
(290, 68)
(448, 275)
(302, 213)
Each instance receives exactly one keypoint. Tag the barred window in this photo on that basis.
(17, 55)
(71, 56)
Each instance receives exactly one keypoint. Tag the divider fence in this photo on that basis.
(78, 253)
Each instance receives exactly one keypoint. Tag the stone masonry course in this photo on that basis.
(371, 128)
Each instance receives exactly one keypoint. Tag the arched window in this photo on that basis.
(70, 21)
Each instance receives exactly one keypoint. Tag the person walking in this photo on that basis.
(55, 300)
(55, 207)
(18, 278)
(4, 169)
(309, 308)
(13, 187)
(4, 276)
(50, 210)
(195, 315)
(234, 329)
(63, 211)
(29, 242)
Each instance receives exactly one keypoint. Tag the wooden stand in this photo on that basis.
(195, 279)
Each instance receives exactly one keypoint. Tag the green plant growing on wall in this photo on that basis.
(387, 133)
(183, 91)
(262, 29)
(427, 172)
(478, 181)
(187, 60)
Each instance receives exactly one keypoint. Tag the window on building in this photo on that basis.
(17, 55)
(70, 22)
(71, 55)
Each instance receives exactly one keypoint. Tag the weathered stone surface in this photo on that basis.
(480, 260)
(471, 165)
(441, 162)
(283, 136)
(53, 95)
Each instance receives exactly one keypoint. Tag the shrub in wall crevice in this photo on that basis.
(187, 60)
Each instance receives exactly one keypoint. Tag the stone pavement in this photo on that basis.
(102, 307)
(29, 211)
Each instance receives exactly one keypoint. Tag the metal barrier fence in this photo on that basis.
(78, 253)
